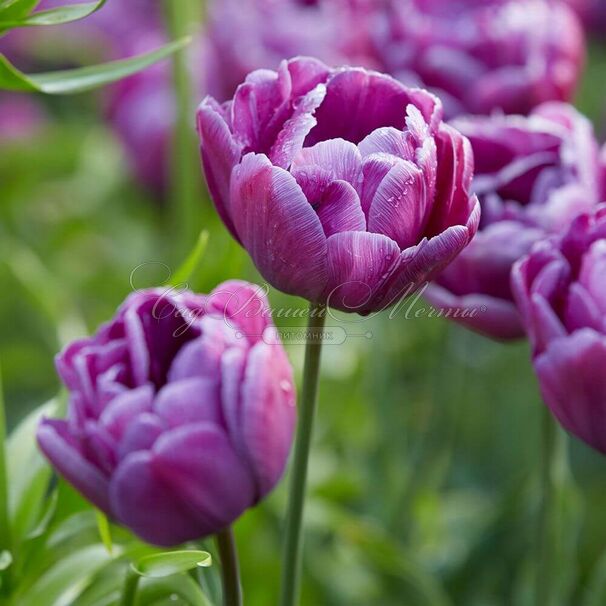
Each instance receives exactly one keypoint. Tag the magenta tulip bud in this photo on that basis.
(180, 415)
(269, 31)
(343, 185)
(482, 55)
(533, 176)
(561, 292)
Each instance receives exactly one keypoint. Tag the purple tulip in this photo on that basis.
(561, 292)
(269, 31)
(180, 417)
(344, 186)
(533, 176)
(482, 55)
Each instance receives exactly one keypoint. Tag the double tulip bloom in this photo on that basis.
(533, 176)
(344, 186)
(561, 291)
(180, 414)
(482, 55)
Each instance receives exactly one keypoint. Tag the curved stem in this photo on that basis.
(129, 589)
(293, 543)
(549, 447)
(230, 569)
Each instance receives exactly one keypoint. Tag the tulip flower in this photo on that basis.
(180, 414)
(345, 187)
(268, 31)
(561, 293)
(533, 176)
(482, 55)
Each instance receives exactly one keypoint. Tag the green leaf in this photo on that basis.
(46, 517)
(63, 583)
(28, 472)
(83, 78)
(104, 530)
(55, 16)
(5, 526)
(6, 559)
(16, 9)
(171, 562)
(189, 266)
(183, 587)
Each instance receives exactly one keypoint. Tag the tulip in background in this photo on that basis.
(345, 187)
(180, 415)
(268, 31)
(533, 176)
(482, 55)
(561, 290)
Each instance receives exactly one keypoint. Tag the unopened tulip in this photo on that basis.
(344, 186)
(533, 176)
(180, 414)
(561, 291)
(482, 55)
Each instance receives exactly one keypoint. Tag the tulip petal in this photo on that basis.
(571, 373)
(61, 449)
(141, 434)
(389, 140)
(267, 414)
(400, 207)
(360, 263)
(220, 153)
(144, 503)
(341, 158)
(374, 169)
(340, 209)
(490, 316)
(124, 408)
(189, 401)
(199, 463)
(420, 264)
(279, 228)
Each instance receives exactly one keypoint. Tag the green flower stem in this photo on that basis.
(544, 559)
(185, 172)
(230, 569)
(293, 543)
(129, 590)
(5, 529)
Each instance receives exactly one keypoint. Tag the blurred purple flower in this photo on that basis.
(344, 186)
(592, 13)
(180, 417)
(481, 55)
(561, 292)
(245, 35)
(533, 176)
(21, 117)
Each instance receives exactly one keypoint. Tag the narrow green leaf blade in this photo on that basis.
(54, 16)
(83, 78)
(171, 562)
(104, 531)
(189, 266)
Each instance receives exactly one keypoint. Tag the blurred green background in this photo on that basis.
(424, 470)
